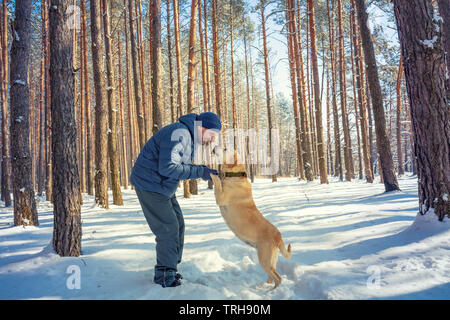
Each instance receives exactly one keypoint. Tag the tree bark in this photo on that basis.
(266, 72)
(101, 112)
(169, 57)
(383, 145)
(48, 118)
(136, 79)
(401, 169)
(337, 136)
(292, 68)
(423, 57)
(125, 145)
(305, 136)
(317, 100)
(233, 95)
(193, 186)
(87, 102)
(132, 130)
(112, 108)
(25, 212)
(361, 99)
(67, 195)
(6, 151)
(216, 61)
(348, 158)
(180, 98)
(41, 174)
(157, 100)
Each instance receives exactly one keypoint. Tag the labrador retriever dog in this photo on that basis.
(233, 194)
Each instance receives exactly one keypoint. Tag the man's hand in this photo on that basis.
(206, 173)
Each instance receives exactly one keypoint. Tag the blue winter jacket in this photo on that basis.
(167, 158)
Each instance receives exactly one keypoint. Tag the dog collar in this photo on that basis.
(235, 174)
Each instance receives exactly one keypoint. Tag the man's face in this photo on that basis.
(208, 135)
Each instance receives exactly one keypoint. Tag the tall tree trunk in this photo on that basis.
(305, 127)
(292, 68)
(401, 169)
(140, 56)
(383, 145)
(337, 136)
(67, 195)
(48, 119)
(125, 145)
(112, 107)
(25, 212)
(202, 52)
(136, 79)
(329, 150)
(348, 158)
(233, 95)
(251, 157)
(87, 102)
(205, 15)
(82, 144)
(356, 107)
(193, 187)
(132, 130)
(6, 151)
(169, 57)
(317, 100)
(268, 98)
(423, 57)
(192, 57)
(101, 111)
(157, 100)
(361, 98)
(180, 99)
(41, 178)
(216, 60)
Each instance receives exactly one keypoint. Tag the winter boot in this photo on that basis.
(166, 277)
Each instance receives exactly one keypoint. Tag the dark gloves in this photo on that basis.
(207, 171)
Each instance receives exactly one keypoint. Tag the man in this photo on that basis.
(165, 160)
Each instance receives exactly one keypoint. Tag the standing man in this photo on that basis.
(165, 160)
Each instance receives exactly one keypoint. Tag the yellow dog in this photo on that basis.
(233, 194)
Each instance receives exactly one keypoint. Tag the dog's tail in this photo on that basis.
(285, 252)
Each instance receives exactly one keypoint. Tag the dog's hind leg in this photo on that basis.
(266, 259)
(273, 267)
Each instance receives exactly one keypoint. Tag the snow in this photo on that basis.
(21, 82)
(350, 240)
(429, 43)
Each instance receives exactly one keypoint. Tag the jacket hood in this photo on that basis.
(189, 121)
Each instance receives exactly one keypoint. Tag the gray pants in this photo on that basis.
(165, 219)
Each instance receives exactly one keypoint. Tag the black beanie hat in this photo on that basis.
(210, 120)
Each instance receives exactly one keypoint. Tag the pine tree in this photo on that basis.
(101, 111)
(6, 152)
(383, 145)
(67, 194)
(25, 212)
(317, 100)
(112, 107)
(425, 74)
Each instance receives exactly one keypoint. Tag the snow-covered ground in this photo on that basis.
(349, 240)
